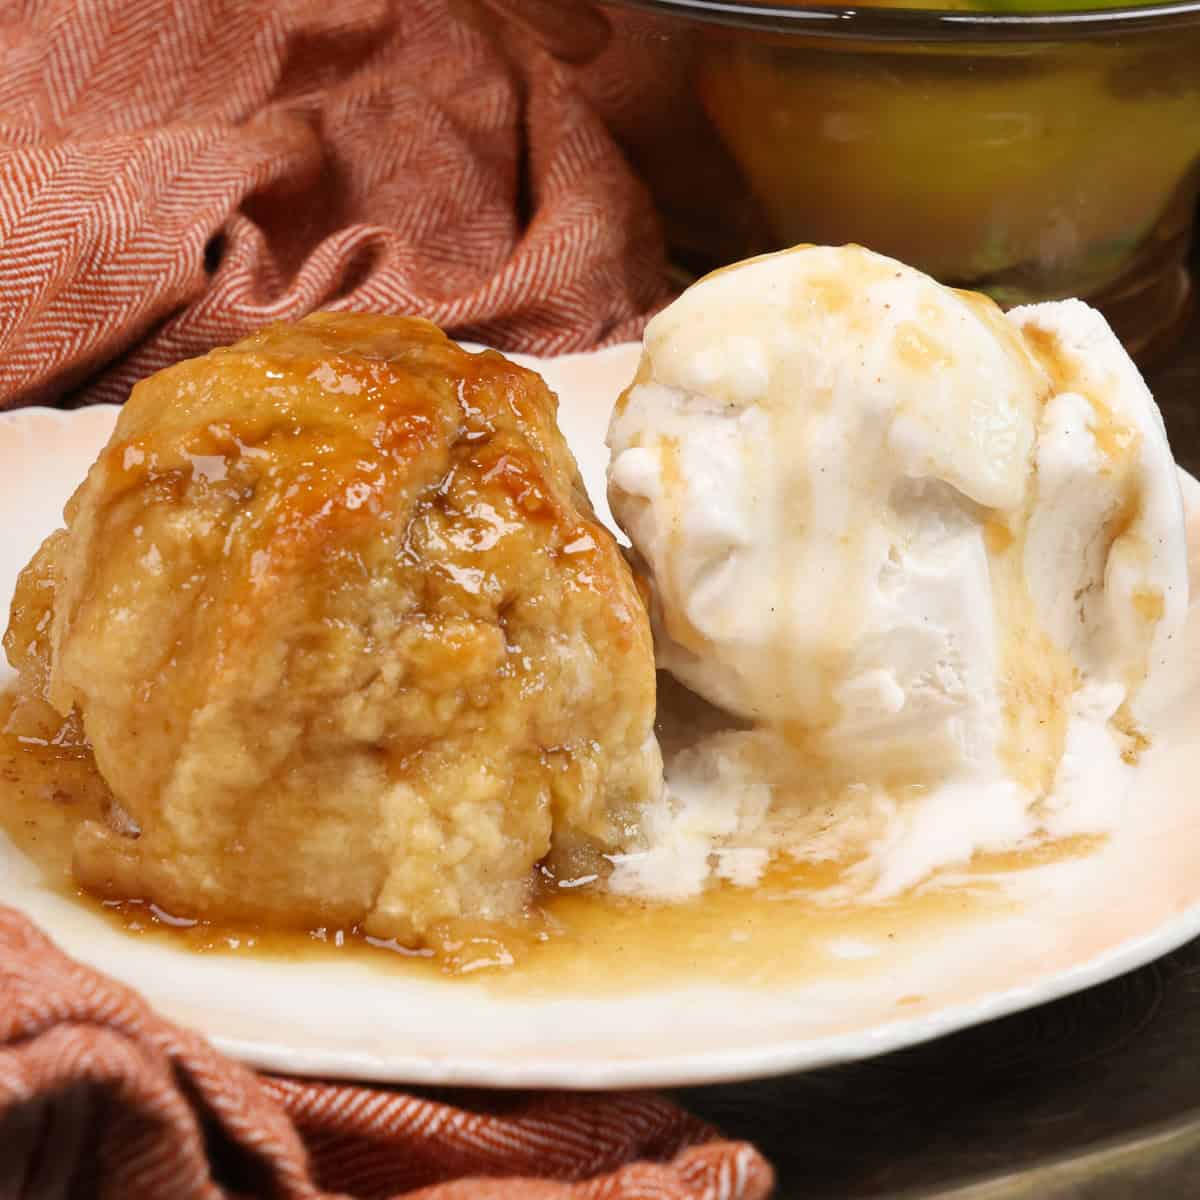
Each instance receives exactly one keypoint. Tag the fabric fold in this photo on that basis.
(97, 1090)
(174, 176)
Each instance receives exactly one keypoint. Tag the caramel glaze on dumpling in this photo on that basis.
(345, 637)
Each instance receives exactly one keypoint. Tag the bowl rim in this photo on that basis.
(927, 25)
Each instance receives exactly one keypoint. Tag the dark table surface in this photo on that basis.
(1095, 1096)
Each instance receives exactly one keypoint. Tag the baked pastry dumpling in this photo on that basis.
(345, 637)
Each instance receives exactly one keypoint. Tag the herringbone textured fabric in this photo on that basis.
(99, 1096)
(175, 174)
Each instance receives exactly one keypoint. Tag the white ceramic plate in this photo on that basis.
(1070, 924)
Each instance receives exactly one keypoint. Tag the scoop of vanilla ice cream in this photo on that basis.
(1106, 556)
(901, 529)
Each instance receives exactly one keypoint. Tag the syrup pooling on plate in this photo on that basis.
(577, 940)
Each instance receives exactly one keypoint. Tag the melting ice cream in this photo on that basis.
(923, 554)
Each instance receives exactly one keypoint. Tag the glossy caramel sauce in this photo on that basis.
(338, 610)
(1116, 439)
(576, 940)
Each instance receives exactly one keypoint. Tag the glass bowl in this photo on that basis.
(1031, 156)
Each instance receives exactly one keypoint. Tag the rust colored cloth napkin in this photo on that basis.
(175, 174)
(172, 175)
(101, 1097)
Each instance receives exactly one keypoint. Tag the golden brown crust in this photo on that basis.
(348, 641)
